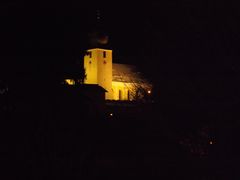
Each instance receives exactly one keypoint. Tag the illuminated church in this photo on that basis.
(121, 81)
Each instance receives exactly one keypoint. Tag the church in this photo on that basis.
(121, 81)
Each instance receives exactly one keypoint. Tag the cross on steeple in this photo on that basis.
(98, 20)
(97, 36)
(98, 14)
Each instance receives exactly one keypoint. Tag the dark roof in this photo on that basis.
(126, 73)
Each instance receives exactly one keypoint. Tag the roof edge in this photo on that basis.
(99, 49)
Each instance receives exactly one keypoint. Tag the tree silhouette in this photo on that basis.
(76, 71)
(138, 86)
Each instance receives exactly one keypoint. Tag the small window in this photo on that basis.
(120, 95)
(90, 54)
(104, 54)
(128, 95)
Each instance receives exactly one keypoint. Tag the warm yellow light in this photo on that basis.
(98, 69)
(70, 81)
(123, 88)
(149, 92)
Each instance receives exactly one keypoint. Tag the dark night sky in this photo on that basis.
(191, 47)
(155, 29)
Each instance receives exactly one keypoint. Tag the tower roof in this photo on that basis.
(99, 49)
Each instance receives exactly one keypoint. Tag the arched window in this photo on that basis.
(120, 95)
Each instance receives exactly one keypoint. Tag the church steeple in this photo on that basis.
(98, 15)
(99, 26)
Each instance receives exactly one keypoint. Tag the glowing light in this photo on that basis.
(149, 92)
(70, 81)
(211, 142)
(111, 114)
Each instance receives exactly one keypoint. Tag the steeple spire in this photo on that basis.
(98, 15)
(98, 37)
(98, 20)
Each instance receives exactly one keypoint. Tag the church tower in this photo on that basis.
(98, 68)
(98, 59)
